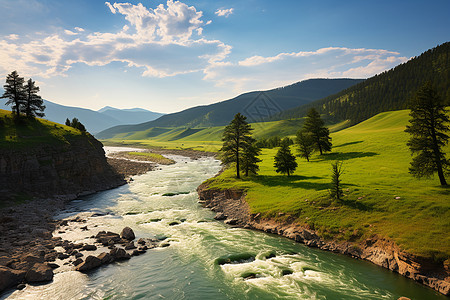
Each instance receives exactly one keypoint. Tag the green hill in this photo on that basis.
(249, 104)
(390, 90)
(382, 198)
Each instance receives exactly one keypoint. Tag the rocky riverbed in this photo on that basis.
(231, 207)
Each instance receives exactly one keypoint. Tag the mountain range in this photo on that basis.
(257, 106)
(94, 121)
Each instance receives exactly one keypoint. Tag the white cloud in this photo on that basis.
(258, 72)
(160, 41)
(13, 37)
(224, 12)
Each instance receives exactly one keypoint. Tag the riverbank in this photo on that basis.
(231, 206)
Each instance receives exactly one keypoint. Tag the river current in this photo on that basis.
(188, 268)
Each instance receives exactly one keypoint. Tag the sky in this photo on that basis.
(166, 56)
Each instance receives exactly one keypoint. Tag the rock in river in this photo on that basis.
(127, 233)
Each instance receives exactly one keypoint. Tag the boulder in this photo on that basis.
(127, 233)
(119, 254)
(105, 258)
(9, 277)
(231, 222)
(130, 246)
(39, 273)
(90, 263)
(220, 216)
(88, 247)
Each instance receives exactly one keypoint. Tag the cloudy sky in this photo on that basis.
(166, 56)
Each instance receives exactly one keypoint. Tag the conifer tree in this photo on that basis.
(336, 188)
(315, 126)
(305, 144)
(284, 160)
(15, 92)
(428, 128)
(67, 122)
(249, 158)
(33, 102)
(236, 137)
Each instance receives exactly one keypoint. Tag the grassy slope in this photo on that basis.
(28, 133)
(376, 161)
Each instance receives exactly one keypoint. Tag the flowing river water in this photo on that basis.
(189, 269)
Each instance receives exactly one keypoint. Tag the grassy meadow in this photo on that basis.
(381, 197)
(31, 132)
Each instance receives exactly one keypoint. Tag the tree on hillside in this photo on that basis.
(249, 158)
(67, 122)
(76, 124)
(428, 128)
(305, 144)
(15, 92)
(34, 105)
(315, 126)
(236, 138)
(284, 160)
(336, 188)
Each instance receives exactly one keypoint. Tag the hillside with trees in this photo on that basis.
(390, 90)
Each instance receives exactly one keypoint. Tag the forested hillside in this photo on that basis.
(390, 90)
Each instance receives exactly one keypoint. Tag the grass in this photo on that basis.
(26, 133)
(153, 157)
(376, 161)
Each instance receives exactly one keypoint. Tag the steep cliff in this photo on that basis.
(43, 159)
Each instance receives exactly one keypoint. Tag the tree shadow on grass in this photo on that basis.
(345, 155)
(357, 205)
(296, 181)
(347, 144)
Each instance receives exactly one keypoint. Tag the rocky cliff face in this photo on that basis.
(66, 170)
(231, 206)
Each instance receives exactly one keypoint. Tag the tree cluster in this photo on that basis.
(271, 142)
(75, 123)
(23, 97)
(240, 147)
(387, 91)
(314, 136)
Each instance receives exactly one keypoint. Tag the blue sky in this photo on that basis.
(166, 56)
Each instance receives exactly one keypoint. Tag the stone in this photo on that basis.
(88, 247)
(130, 246)
(119, 254)
(90, 263)
(39, 273)
(127, 233)
(105, 258)
(9, 277)
(53, 265)
(77, 262)
(231, 222)
(220, 216)
(21, 286)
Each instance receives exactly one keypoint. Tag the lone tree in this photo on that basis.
(428, 128)
(76, 124)
(15, 92)
(249, 158)
(320, 134)
(34, 105)
(305, 144)
(336, 188)
(284, 159)
(236, 138)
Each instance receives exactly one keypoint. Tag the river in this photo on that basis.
(189, 269)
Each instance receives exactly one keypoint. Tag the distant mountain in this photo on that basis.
(93, 120)
(131, 115)
(390, 90)
(257, 106)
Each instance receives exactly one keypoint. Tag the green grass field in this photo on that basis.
(376, 161)
(27, 133)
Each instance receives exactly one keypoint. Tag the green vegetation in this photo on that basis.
(284, 160)
(380, 196)
(390, 90)
(428, 128)
(148, 156)
(25, 133)
(336, 191)
(320, 135)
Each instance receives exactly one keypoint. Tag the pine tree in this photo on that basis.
(67, 122)
(428, 128)
(315, 126)
(33, 102)
(284, 160)
(249, 159)
(15, 92)
(305, 144)
(336, 188)
(236, 137)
